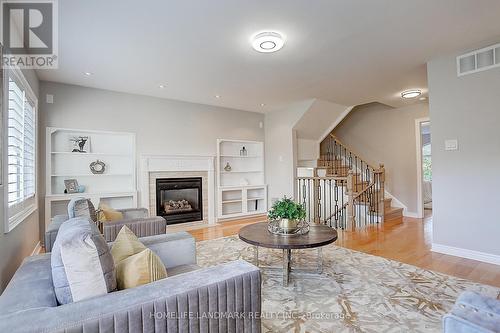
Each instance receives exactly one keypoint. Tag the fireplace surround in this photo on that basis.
(179, 200)
(153, 167)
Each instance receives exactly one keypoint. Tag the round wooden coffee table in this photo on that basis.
(258, 235)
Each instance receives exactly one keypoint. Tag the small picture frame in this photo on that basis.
(71, 185)
(80, 144)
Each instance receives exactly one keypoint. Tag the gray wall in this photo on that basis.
(21, 241)
(466, 181)
(163, 127)
(382, 134)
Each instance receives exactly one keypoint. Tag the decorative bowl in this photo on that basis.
(288, 227)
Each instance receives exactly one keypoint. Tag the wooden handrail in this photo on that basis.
(326, 178)
(352, 151)
(366, 189)
(338, 210)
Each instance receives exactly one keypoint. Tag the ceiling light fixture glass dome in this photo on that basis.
(268, 41)
(412, 93)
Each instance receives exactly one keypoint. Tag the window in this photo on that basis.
(20, 148)
(427, 162)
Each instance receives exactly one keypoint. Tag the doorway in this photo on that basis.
(424, 166)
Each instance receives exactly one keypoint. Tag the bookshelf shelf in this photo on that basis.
(116, 186)
(241, 191)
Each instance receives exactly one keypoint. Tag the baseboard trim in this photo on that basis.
(411, 214)
(37, 249)
(465, 253)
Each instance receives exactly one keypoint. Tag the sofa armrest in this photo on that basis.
(173, 249)
(222, 298)
(134, 213)
(474, 310)
(52, 230)
(142, 227)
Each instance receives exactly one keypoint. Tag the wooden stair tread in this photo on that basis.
(393, 213)
(393, 210)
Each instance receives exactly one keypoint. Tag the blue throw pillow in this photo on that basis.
(82, 264)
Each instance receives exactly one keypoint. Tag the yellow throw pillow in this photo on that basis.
(126, 244)
(108, 214)
(138, 269)
(135, 263)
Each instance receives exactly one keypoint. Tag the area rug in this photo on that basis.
(356, 292)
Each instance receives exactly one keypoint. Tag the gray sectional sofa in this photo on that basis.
(223, 298)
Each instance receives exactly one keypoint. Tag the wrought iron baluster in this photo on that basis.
(326, 201)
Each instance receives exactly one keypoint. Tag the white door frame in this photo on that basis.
(418, 137)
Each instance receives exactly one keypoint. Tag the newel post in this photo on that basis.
(351, 218)
(381, 179)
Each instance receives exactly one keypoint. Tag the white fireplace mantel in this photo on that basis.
(177, 163)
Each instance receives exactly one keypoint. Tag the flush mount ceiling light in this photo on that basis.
(87, 73)
(412, 93)
(161, 86)
(269, 41)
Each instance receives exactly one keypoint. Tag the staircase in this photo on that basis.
(345, 191)
(334, 168)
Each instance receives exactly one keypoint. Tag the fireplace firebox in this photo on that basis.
(179, 200)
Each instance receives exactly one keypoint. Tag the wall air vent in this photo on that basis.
(479, 60)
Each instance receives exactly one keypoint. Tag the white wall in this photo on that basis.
(21, 241)
(319, 119)
(307, 150)
(281, 148)
(292, 137)
(466, 181)
(162, 127)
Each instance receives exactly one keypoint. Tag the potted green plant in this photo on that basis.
(288, 212)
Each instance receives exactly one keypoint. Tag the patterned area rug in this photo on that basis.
(356, 292)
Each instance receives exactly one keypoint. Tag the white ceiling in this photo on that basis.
(345, 51)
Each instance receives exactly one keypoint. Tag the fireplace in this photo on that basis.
(179, 200)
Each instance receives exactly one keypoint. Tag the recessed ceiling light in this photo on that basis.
(161, 86)
(217, 96)
(262, 104)
(269, 41)
(412, 93)
(87, 74)
(422, 98)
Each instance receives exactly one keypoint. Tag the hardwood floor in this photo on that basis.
(407, 240)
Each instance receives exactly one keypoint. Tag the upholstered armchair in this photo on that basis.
(136, 219)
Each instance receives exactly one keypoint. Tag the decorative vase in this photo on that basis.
(243, 151)
(227, 167)
(288, 224)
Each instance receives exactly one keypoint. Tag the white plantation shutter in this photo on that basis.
(29, 150)
(21, 149)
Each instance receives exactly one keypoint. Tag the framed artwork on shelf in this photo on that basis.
(71, 185)
(80, 144)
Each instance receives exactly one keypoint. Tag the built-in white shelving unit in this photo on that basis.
(241, 190)
(116, 186)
